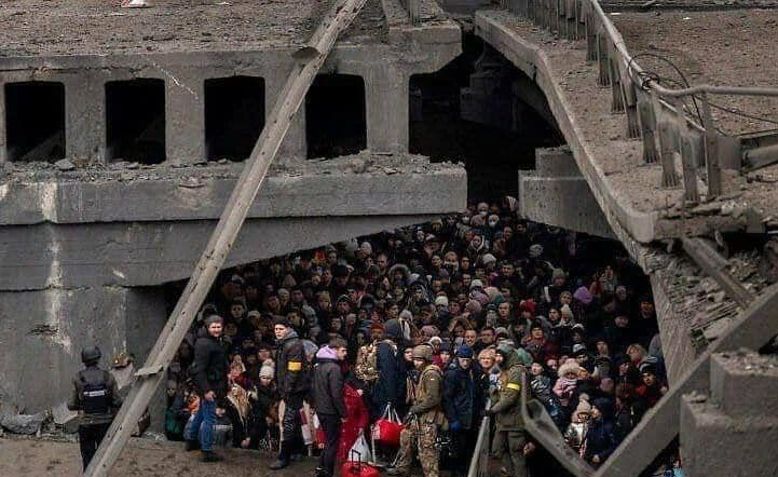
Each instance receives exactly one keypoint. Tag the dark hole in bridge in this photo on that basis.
(482, 111)
(35, 121)
(335, 116)
(234, 116)
(135, 120)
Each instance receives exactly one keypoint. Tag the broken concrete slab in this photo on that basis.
(25, 424)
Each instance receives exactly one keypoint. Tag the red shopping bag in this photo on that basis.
(386, 431)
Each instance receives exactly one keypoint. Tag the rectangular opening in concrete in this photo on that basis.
(135, 120)
(335, 116)
(234, 116)
(35, 121)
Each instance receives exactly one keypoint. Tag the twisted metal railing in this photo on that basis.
(655, 114)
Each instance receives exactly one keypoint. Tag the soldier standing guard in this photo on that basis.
(426, 415)
(96, 397)
(509, 441)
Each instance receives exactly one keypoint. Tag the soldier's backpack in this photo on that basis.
(366, 366)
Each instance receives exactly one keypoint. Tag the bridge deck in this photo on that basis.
(629, 189)
(85, 27)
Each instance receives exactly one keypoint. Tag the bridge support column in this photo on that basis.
(556, 193)
(294, 148)
(184, 118)
(85, 120)
(387, 91)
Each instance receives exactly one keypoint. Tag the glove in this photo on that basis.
(455, 426)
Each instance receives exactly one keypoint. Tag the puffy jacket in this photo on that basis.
(291, 366)
(209, 368)
(459, 395)
(328, 384)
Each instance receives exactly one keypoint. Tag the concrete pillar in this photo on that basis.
(295, 147)
(555, 193)
(85, 120)
(733, 430)
(3, 127)
(387, 97)
(42, 333)
(184, 118)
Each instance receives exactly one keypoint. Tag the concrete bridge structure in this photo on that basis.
(136, 109)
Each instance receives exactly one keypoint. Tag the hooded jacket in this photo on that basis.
(328, 384)
(291, 368)
(209, 368)
(459, 394)
(600, 437)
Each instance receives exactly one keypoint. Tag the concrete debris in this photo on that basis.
(65, 418)
(26, 424)
(65, 165)
(698, 300)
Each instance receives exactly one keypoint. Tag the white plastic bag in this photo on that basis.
(360, 451)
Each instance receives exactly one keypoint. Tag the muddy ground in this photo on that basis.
(43, 458)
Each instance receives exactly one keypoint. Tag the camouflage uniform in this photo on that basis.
(509, 437)
(423, 430)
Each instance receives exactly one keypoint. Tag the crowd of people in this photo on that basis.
(440, 325)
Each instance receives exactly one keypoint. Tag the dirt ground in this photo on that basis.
(87, 27)
(41, 458)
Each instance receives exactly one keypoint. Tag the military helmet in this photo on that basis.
(90, 354)
(422, 351)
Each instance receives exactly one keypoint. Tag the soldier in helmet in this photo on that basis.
(509, 441)
(96, 396)
(426, 416)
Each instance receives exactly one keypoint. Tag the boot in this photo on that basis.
(397, 471)
(192, 445)
(279, 464)
(209, 456)
(283, 456)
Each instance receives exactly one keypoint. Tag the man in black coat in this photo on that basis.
(460, 398)
(209, 373)
(292, 380)
(328, 399)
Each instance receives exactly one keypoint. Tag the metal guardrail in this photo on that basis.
(654, 112)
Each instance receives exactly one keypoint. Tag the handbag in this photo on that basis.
(386, 430)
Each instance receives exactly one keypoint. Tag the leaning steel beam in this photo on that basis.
(310, 60)
(712, 263)
(753, 328)
(540, 426)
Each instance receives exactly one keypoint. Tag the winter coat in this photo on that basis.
(429, 396)
(291, 367)
(506, 402)
(459, 395)
(357, 420)
(390, 387)
(328, 384)
(600, 437)
(209, 368)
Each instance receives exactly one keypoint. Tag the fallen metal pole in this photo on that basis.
(310, 60)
